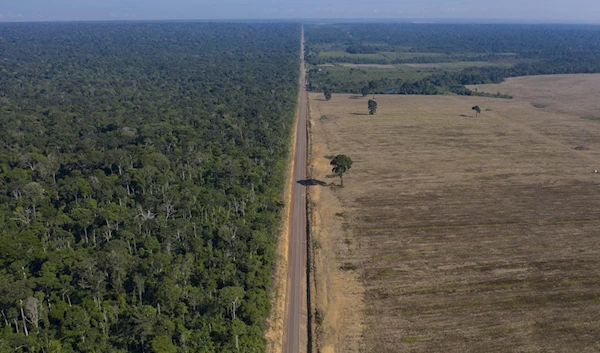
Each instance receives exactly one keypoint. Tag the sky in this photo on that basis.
(587, 11)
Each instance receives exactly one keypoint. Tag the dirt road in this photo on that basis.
(297, 239)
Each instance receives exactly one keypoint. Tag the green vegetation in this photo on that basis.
(341, 164)
(327, 93)
(140, 179)
(372, 105)
(410, 339)
(444, 57)
(595, 118)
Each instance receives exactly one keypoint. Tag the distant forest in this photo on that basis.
(531, 50)
(141, 169)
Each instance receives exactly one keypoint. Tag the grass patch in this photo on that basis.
(386, 272)
(410, 339)
(539, 105)
(320, 317)
(591, 117)
(316, 245)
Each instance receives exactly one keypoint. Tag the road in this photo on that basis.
(297, 226)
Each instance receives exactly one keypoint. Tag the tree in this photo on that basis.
(163, 344)
(372, 106)
(341, 164)
(364, 91)
(373, 86)
(327, 93)
(477, 110)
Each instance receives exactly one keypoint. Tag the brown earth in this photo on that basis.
(457, 233)
(568, 94)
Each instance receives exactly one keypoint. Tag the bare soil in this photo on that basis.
(457, 233)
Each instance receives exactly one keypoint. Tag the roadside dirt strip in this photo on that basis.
(295, 317)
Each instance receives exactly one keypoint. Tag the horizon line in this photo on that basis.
(415, 20)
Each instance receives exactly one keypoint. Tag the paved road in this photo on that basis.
(297, 236)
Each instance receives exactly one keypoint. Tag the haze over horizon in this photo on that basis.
(549, 11)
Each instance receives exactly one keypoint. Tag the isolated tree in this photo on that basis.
(372, 106)
(372, 87)
(341, 164)
(364, 91)
(477, 110)
(327, 93)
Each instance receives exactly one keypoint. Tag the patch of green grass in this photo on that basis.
(320, 317)
(323, 117)
(410, 339)
(388, 257)
(386, 272)
(539, 105)
(364, 73)
(591, 117)
(316, 245)
(395, 55)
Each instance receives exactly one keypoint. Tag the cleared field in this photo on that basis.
(568, 94)
(364, 73)
(455, 233)
(332, 55)
(462, 65)
(445, 66)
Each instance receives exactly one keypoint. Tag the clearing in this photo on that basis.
(455, 233)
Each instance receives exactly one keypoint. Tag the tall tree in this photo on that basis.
(364, 90)
(373, 86)
(327, 93)
(341, 164)
(372, 106)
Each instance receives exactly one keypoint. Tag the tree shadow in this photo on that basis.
(311, 182)
(356, 97)
(359, 113)
(321, 99)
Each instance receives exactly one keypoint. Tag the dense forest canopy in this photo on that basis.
(140, 180)
(530, 49)
(525, 40)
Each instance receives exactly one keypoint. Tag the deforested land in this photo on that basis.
(459, 231)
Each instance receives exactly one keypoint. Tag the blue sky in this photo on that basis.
(537, 10)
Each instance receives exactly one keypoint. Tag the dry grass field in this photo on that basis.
(460, 234)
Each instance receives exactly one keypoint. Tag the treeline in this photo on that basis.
(454, 81)
(524, 40)
(140, 179)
